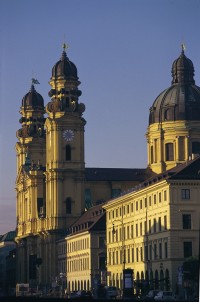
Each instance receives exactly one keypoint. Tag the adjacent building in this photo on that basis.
(154, 228)
(86, 250)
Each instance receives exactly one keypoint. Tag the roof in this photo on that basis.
(181, 101)
(94, 219)
(188, 170)
(116, 174)
(10, 236)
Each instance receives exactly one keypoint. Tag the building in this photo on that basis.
(154, 227)
(86, 250)
(7, 262)
(53, 186)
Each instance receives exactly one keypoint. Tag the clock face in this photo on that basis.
(68, 135)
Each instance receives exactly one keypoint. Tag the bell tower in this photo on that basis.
(30, 186)
(65, 166)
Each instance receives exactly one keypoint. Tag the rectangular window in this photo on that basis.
(150, 252)
(150, 201)
(159, 224)
(160, 250)
(155, 251)
(132, 207)
(132, 234)
(140, 228)
(186, 219)
(169, 149)
(128, 255)
(137, 254)
(136, 229)
(187, 249)
(166, 250)
(165, 222)
(160, 197)
(136, 206)
(154, 198)
(141, 204)
(154, 225)
(145, 202)
(165, 195)
(128, 232)
(127, 209)
(132, 254)
(149, 226)
(146, 252)
(185, 193)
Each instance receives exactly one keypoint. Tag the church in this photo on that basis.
(54, 188)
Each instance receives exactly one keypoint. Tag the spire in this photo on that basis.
(64, 53)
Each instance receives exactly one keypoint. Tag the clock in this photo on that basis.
(68, 135)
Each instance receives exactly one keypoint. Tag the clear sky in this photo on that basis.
(123, 50)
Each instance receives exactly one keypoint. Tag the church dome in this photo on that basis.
(181, 101)
(33, 99)
(65, 68)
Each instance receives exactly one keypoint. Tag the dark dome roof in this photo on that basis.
(65, 68)
(181, 101)
(33, 99)
(183, 70)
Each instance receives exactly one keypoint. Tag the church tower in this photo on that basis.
(65, 165)
(173, 134)
(50, 173)
(30, 189)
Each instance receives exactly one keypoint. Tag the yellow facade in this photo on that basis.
(181, 134)
(83, 252)
(145, 232)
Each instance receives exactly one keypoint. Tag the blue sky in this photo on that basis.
(123, 50)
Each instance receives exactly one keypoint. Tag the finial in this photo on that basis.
(34, 81)
(65, 46)
(183, 47)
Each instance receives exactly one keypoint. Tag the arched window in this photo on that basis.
(169, 151)
(68, 205)
(68, 152)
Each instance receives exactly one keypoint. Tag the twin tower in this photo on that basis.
(50, 155)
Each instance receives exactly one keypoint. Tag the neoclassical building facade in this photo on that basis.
(154, 227)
